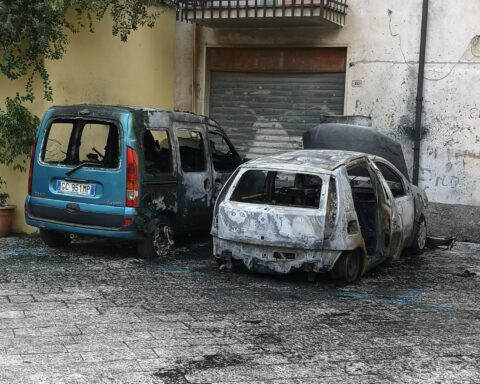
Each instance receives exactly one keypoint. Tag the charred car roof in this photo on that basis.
(152, 118)
(308, 160)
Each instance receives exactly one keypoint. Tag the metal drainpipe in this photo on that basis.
(194, 68)
(419, 107)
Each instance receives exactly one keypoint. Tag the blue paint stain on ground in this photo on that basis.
(408, 298)
(17, 251)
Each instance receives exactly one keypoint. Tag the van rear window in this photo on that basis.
(79, 141)
(279, 188)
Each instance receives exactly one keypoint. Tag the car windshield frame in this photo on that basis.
(323, 177)
(75, 120)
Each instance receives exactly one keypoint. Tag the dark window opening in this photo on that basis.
(78, 142)
(192, 152)
(279, 188)
(224, 157)
(394, 181)
(251, 188)
(157, 152)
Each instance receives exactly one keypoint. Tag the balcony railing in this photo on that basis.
(257, 12)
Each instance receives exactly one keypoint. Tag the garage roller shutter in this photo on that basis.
(264, 113)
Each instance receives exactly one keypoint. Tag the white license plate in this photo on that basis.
(72, 188)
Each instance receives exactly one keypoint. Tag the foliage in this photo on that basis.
(17, 130)
(32, 31)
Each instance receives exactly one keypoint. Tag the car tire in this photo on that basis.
(419, 237)
(348, 267)
(158, 243)
(55, 239)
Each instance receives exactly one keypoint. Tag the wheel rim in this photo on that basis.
(163, 240)
(422, 234)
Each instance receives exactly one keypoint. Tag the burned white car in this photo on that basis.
(318, 211)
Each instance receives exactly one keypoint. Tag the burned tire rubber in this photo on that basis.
(348, 267)
(419, 237)
(158, 243)
(55, 239)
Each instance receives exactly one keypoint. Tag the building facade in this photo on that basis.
(268, 70)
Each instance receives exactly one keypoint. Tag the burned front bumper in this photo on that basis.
(275, 259)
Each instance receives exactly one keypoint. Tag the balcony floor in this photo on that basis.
(265, 17)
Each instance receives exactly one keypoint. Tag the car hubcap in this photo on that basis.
(163, 240)
(422, 234)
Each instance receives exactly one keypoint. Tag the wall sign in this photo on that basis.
(357, 83)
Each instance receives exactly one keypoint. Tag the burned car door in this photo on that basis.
(390, 219)
(159, 188)
(402, 196)
(223, 157)
(195, 187)
(374, 210)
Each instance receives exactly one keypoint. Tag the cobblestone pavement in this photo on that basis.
(97, 314)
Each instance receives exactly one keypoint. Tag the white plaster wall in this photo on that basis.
(383, 52)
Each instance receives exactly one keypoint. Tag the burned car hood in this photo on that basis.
(356, 138)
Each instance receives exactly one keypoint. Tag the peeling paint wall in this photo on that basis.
(382, 40)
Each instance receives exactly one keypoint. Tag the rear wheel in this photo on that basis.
(419, 237)
(55, 239)
(158, 243)
(348, 267)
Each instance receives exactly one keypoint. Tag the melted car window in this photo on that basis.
(251, 188)
(224, 157)
(192, 153)
(56, 145)
(279, 188)
(157, 152)
(77, 142)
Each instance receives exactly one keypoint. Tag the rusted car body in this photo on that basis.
(318, 211)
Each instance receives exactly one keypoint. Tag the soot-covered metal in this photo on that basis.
(270, 218)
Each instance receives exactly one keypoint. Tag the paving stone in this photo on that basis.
(96, 347)
(11, 314)
(52, 359)
(63, 330)
(94, 313)
(21, 298)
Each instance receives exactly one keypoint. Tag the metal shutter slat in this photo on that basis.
(264, 113)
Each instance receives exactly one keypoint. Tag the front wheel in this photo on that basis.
(419, 237)
(348, 267)
(158, 243)
(55, 239)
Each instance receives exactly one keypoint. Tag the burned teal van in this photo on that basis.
(138, 174)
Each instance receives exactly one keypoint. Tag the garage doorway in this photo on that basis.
(267, 98)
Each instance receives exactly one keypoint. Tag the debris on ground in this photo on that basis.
(434, 242)
(466, 273)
